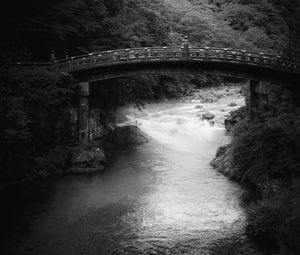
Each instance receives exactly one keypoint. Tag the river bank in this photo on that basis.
(264, 154)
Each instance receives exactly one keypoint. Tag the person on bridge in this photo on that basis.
(185, 47)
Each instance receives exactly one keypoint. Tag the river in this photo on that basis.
(159, 198)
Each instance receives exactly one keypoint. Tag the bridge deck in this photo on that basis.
(171, 54)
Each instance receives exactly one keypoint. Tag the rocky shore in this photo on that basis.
(213, 94)
(91, 158)
(83, 159)
(263, 155)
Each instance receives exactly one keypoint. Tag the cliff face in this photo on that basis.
(35, 27)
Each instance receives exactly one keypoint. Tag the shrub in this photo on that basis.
(265, 153)
(32, 116)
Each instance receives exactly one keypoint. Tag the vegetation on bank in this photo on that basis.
(265, 154)
(34, 117)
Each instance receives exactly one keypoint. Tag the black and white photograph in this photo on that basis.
(140, 127)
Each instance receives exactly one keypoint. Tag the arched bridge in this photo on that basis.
(118, 63)
(158, 60)
(111, 64)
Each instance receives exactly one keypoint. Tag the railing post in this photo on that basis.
(84, 113)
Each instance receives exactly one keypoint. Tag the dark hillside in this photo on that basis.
(33, 28)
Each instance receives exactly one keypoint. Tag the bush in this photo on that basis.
(266, 153)
(32, 116)
(267, 149)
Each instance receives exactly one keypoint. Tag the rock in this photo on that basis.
(199, 107)
(173, 131)
(222, 161)
(211, 123)
(128, 135)
(207, 115)
(232, 104)
(86, 160)
(234, 117)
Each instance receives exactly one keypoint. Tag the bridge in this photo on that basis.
(118, 63)
(103, 65)
(124, 62)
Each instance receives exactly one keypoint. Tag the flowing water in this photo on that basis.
(158, 198)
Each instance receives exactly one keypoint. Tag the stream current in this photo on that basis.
(159, 198)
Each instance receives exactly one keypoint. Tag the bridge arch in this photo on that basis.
(119, 63)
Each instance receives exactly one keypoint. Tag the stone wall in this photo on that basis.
(294, 35)
(271, 97)
(96, 129)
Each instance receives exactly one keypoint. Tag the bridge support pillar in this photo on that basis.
(257, 97)
(253, 98)
(271, 97)
(84, 113)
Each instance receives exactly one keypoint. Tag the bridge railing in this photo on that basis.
(152, 54)
(149, 54)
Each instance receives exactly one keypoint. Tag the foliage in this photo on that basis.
(79, 26)
(238, 114)
(265, 153)
(32, 116)
(34, 28)
(268, 149)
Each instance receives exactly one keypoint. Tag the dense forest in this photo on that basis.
(34, 28)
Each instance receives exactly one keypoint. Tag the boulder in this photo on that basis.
(86, 160)
(211, 123)
(222, 161)
(207, 115)
(128, 135)
(199, 107)
(232, 104)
